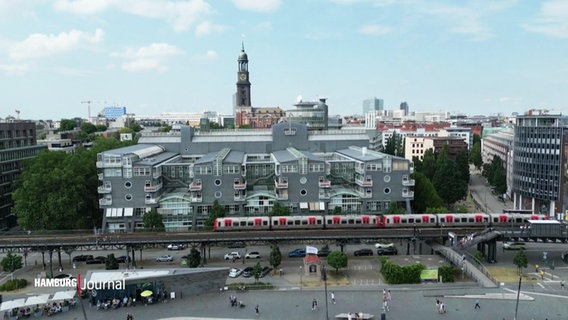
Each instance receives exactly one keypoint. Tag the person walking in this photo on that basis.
(314, 305)
(333, 297)
(477, 306)
(256, 310)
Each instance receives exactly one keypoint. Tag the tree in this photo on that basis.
(153, 220)
(67, 125)
(463, 164)
(337, 260)
(88, 128)
(275, 257)
(11, 262)
(278, 210)
(475, 155)
(425, 195)
(429, 164)
(217, 211)
(395, 145)
(194, 258)
(111, 263)
(448, 182)
(394, 208)
(497, 176)
(257, 271)
(337, 210)
(521, 261)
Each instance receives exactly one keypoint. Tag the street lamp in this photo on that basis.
(301, 283)
(324, 276)
(442, 233)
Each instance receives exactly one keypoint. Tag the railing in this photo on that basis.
(408, 194)
(281, 185)
(196, 199)
(104, 189)
(102, 164)
(153, 188)
(151, 200)
(195, 186)
(325, 184)
(408, 182)
(105, 202)
(101, 176)
(364, 183)
(240, 186)
(240, 197)
(325, 195)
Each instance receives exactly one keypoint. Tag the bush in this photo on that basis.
(251, 286)
(446, 273)
(14, 284)
(395, 274)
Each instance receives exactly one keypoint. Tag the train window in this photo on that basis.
(297, 222)
(411, 220)
(329, 221)
(443, 220)
(250, 223)
(358, 221)
(243, 223)
(275, 222)
(290, 222)
(265, 223)
(304, 222)
(470, 220)
(350, 221)
(318, 221)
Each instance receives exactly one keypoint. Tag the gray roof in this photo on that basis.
(156, 159)
(139, 149)
(362, 154)
(235, 157)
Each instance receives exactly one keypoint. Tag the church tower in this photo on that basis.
(243, 83)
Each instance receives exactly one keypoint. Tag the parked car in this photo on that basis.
(237, 244)
(232, 255)
(252, 255)
(165, 258)
(363, 252)
(96, 260)
(297, 253)
(174, 246)
(235, 272)
(83, 257)
(324, 251)
(265, 271)
(514, 245)
(384, 245)
(247, 272)
(123, 259)
(388, 251)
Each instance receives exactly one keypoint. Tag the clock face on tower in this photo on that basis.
(243, 76)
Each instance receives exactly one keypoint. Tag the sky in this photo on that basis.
(480, 57)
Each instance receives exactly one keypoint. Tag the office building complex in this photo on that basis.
(372, 104)
(539, 162)
(17, 144)
(112, 113)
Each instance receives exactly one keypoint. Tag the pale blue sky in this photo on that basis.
(152, 56)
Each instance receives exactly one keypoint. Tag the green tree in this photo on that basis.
(498, 176)
(217, 211)
(337, 260)
(521, 261)
(429, 164)
(257, 271)
(425, 195)
(111, 263)
(395, 208)
(153, 220)
(11, 262)
(88, 128)
(448, 182)
(275, 257)
(463, 164)
(194, 258)
(67, 125)
(337, 210)
(475, 155)
(395, 145)
(101, 127)
(278, 210)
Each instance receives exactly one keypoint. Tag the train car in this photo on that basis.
(410, 220)
(463, 219)
(515, 219)
(241, 223)
(297, 222)
(352, 221)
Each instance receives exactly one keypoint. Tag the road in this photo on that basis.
(483, 197)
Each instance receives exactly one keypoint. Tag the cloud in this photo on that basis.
(40, 45)
(14, 69)
(374, 30)
(258, 5)
(146, 58)
(552, 19)
(209, 55)
(207, 27)
(181, 15)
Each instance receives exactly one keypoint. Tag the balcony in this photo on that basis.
(196, 199)
(104, 189)
(240, 197)
(324, 194)
(282, 194)
(364, 183)
(195, 186)
(240, 186)
(151, 200)
(364, 194)
(105, 202)
(408, 194)
(325, 184)
(281, 184)
(102, 164)
(408, 182)
(101, 176)
(360, 169)
(152, 188)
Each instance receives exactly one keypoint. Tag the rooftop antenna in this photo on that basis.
(18, 114)
(88, 102)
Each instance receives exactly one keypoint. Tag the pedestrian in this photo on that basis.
(256, 310)
(389, 295)
(477, 306)
(314, 305)
(562, 284)
(333, 297)
(349, 316)
(442, 308)
(437, 305)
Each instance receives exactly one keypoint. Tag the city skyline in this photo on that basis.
(153, 56)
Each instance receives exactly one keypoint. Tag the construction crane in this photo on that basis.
(88, 102)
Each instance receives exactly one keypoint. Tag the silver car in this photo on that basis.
(165, 258)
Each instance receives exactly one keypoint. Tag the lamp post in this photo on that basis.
(442, 233)
(324, 276)
(301, 283)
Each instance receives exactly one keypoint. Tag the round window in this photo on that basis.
(128, 184)
(303, 192)
(387, 178)
(303, 180)
(128, 197)
(217, 182)
(218, 194)
(387, 190)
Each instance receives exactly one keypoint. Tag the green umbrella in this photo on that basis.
(146, 293)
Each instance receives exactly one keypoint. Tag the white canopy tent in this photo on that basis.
(35, 300)
(9, 305)
(63, 295)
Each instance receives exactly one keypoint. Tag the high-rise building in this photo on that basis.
(372, 104)
(113, 113)
(404, 107)
(539, 160)
(17, 144)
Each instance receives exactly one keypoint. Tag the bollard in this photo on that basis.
(383, 316)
